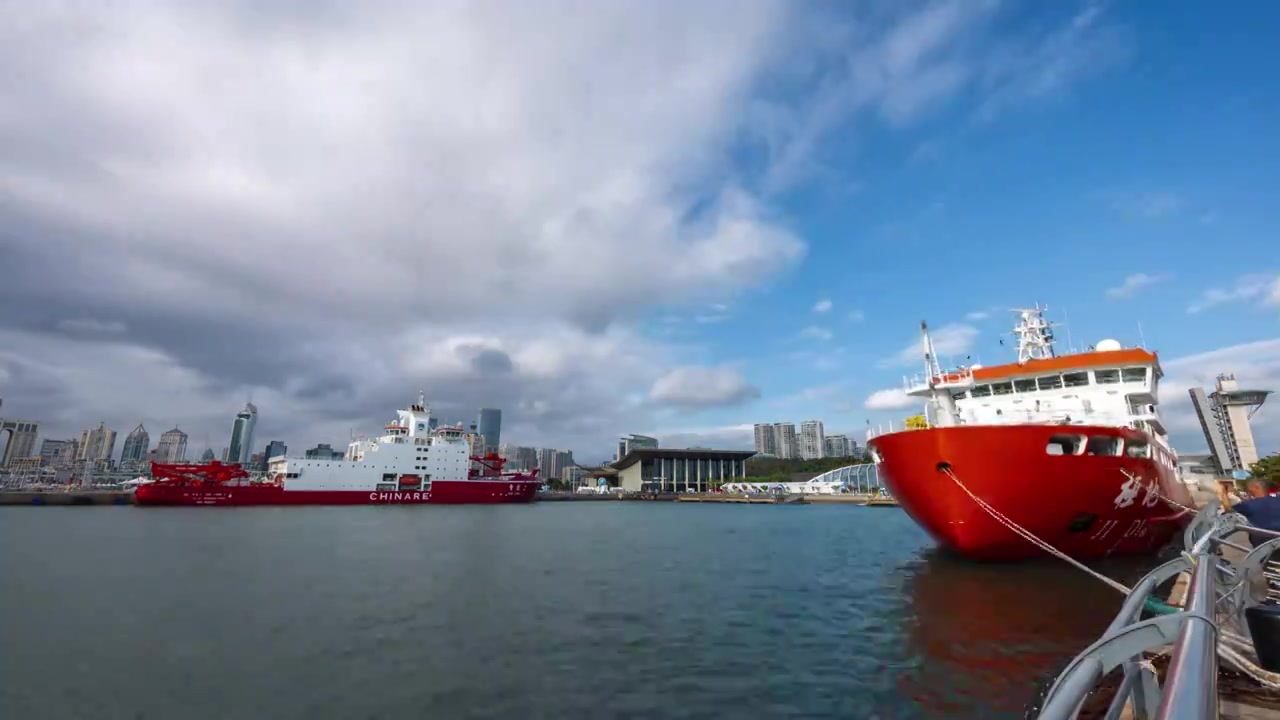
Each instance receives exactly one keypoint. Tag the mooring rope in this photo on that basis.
(1228, 653)
(1030, 537)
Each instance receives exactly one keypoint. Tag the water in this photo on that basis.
(555, 610)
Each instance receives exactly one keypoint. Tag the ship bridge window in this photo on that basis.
(1065, 445)
(1075, 379)
(1134, 375)
(1103, 445)
(1028, 385)
(1106, 377)
(1137, 449)
(1049, 382)
(1003, 388)
(981, 390)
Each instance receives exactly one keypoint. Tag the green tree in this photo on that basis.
(1267, 470)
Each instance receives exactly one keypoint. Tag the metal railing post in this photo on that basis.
(1191, 685)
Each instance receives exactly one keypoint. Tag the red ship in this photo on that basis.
(1070, 448)
(411, 464)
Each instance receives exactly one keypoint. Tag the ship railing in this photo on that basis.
(1023, 417)
(961, 378)
(1218, 594)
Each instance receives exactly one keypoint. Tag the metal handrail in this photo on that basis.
(1191, 684)
(1190, 688)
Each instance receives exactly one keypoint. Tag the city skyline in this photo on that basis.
(746, 217)
(97, 445)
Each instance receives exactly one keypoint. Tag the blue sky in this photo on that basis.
(1140, 148)
(627, 222)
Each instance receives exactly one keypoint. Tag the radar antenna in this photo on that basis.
(1034, 334)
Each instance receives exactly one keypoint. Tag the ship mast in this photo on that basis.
(948, 414)
(1034, 334)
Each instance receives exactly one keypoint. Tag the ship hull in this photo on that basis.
(1082, 505)
(441, 492)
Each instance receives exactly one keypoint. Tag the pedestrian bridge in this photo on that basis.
(862, 479)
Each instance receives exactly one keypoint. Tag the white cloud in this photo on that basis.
(703, 387)
(1255, 365)
(1133, 283)
(90, 326)
(335, 208)
(817, 333)
(927, 56)
(1032, 69)
(822, 306)
(1265, 286)
(891, 399)
(256, 198)
(949, 341)
(857, 316)
(725, 437)
(977, 315)
(554, 385)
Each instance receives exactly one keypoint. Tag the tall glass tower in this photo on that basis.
(241, 448)
(489, 425)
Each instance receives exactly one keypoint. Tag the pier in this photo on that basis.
(1201, 631)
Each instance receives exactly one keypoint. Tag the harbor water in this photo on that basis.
(552, 610)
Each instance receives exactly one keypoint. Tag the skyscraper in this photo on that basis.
(276, 448)
(785, 437)
(766, 439)
(172, 447)
(837, 446)
(489, 425)
(135, 446)
(812, 445)
(241, 448)
(97, 444)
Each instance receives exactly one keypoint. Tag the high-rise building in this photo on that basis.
(836, 446)
(276, 448)
(552, 463)
(489, 425)
(633, 442)
(208, 456)
(564, 460)
(172, 447)
(97, 444)
(518, 457)
(136, 445)
(22, 439)
(812, 445)
(1224, 417)
(324, 451)
(766, 439)
(785, 436)
(59, 453)
(241, 448)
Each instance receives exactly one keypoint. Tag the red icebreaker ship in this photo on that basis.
(1070, 448)
(410, 464)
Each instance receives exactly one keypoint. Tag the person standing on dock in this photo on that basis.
(1261, 509)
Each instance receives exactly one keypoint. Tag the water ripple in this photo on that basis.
(559, 610)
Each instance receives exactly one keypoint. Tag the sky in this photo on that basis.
(666, 218)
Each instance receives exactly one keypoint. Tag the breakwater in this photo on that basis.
(67, 498)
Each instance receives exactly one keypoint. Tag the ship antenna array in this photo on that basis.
(1034, 334)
